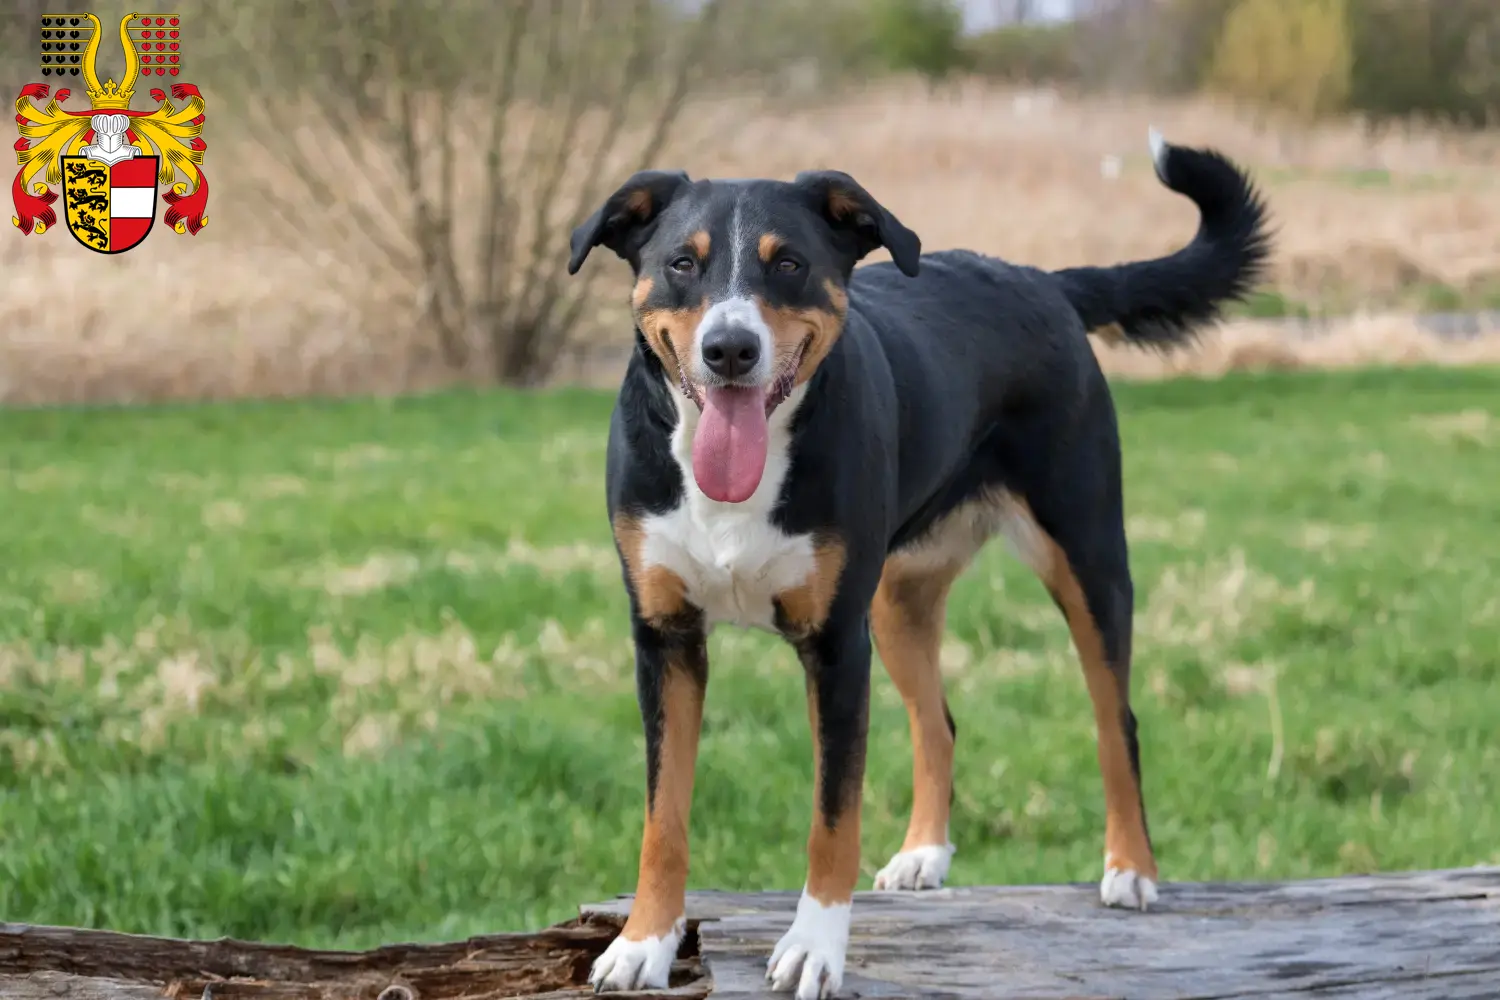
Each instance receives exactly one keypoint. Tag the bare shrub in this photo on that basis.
(452, 146)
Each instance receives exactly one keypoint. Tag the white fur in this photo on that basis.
(923, 867)
(1158, 151)
(1126, 889)
(637, 965)
(731, 557)
(739, 311)
(954, 539)
(810, 955)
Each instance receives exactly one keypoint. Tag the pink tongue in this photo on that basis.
(729, 448)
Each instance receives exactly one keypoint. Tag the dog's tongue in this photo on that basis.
(729, 447)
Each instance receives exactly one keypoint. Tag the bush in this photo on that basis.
(923, 36)
(1436, 58)
(1294, 55)
(1027, 53)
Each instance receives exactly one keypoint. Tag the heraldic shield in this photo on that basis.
(110, 206)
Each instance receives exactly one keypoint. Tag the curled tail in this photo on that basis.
(1160, 303)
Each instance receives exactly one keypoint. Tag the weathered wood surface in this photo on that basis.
(1418, 936)
(61, 963)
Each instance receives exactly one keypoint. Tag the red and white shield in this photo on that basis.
(110, 206)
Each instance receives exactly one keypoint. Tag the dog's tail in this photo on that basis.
(1161, 303)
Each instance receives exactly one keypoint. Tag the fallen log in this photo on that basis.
(1413, 936)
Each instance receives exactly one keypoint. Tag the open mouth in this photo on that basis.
(776, 393)
(732, 439)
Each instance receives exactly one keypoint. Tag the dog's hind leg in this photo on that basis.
(1072, 533)
(907, 618)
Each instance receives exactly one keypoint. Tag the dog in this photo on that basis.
(819, 451)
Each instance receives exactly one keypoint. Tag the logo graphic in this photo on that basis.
(110, 161)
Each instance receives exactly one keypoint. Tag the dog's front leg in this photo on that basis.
(671, 668)
(810, 956)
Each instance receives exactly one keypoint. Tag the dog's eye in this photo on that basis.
(787, 265)
(682, 264)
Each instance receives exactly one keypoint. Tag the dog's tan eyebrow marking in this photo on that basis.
(700, 243)
(769, 244)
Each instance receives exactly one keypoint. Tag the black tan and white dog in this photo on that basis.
(818, 451)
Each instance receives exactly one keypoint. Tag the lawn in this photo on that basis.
(349, 672)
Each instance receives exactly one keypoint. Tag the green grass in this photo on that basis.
(349, 672)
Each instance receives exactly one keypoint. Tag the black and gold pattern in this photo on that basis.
(64, 40)
(86, 194)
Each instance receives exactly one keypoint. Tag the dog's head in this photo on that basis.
(740, 292)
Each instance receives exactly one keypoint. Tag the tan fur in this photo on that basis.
(640, 293)
(841, 205)
(660, 895)
(832, 848)
(1126, 845)
(806, 607)
(907, 618)
(660, 593)
(1112, 334)
(700, 242)
(638, 203)
(669, 332)
(769, 244)
(819, 329)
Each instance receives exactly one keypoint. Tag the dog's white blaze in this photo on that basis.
(731, 557)
(738, 311)
(810, 955)
(736, 244)
(637, 965)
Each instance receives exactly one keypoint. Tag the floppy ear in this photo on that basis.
(850, 208)
(620, 220)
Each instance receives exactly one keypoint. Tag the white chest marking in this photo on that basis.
(732, 559)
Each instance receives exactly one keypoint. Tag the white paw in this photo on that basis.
(637, 965)
(919, 868)
(1124, 888)
(810, 956)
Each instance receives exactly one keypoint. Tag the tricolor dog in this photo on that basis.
(819, 451)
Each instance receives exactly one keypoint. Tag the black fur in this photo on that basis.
(1150, 300)
(955, 374)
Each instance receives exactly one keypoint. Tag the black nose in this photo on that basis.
(731, 351)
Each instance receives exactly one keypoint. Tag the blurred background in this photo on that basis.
(355, 670)
(393, 182)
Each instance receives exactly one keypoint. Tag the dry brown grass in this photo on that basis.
(1355, 342)
(246, 309)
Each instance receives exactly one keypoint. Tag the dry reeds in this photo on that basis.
(249, 309)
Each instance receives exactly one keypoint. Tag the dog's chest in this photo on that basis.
(733, 561)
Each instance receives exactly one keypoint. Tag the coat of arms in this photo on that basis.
(110, 161)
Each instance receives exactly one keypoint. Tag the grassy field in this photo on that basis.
(344, 673)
